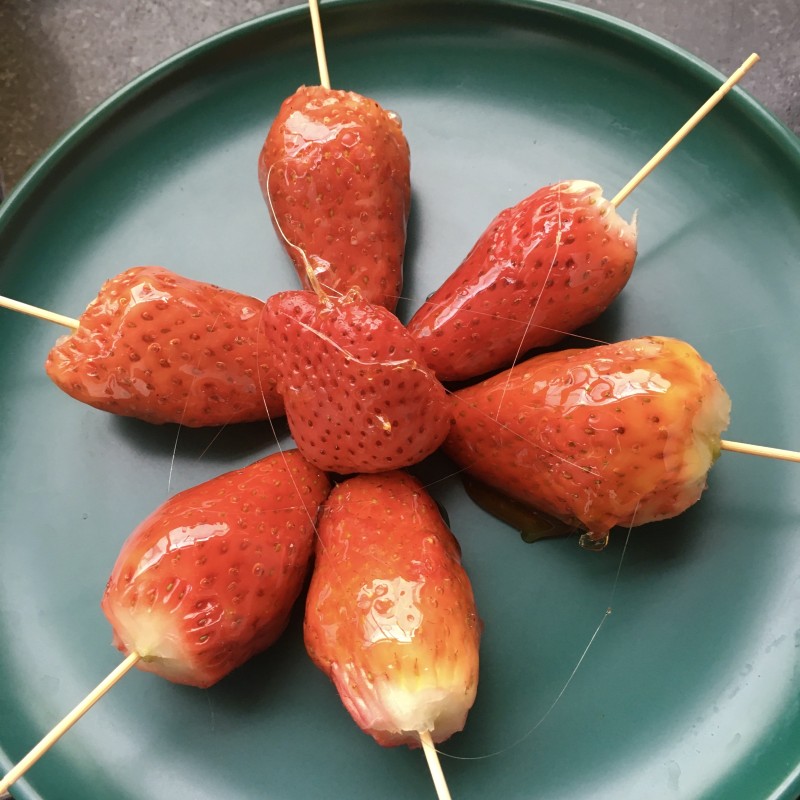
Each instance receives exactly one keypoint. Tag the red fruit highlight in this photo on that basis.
(543, 268)
(390, 614)
(164, 348)
(358, 395)
(209, 578)
(621, 434)
(335, 173)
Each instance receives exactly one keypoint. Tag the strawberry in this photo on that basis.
(165, 348)
(390, 615)
(621, 434)
(209, 578)
(335, 174)
(543, 268)
(358, 395)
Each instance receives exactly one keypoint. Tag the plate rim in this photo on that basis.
(783, 137)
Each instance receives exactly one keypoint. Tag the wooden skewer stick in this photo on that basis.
(319, 44)
(682, 133)
(759, 450)
(442, 792)
(41, 313)
(19, 769)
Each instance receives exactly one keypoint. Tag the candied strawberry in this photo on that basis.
(165, 348)
(209, 578)
(358, 395)
(621, 434)
(390, 615)
(335, 174)
(543, 268)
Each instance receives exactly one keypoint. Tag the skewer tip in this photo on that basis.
(47, 741)
(760, 450)
(685, 129)
(39, 313)
(432, 757)
(319, 44)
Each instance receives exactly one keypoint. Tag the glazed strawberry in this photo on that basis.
(621, 434)
(209, 578)
(334, 170)
(165, 348)
(390, 614)
(358, 395)
(543, 268)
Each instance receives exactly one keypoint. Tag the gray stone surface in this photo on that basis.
(60, 58)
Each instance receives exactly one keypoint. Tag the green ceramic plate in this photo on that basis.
(690, 687)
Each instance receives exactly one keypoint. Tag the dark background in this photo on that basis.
(60, 58)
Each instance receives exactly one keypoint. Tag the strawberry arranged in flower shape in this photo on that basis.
(164, 348)
(543, 268)
(335, 174)
(358, 395)
(390, 614)
(621, 434)
(209, 578)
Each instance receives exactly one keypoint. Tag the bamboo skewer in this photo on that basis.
(688, 126)
(432, 757)
(319, 44)
(760, 450)
(41, 313)
(19, 769)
